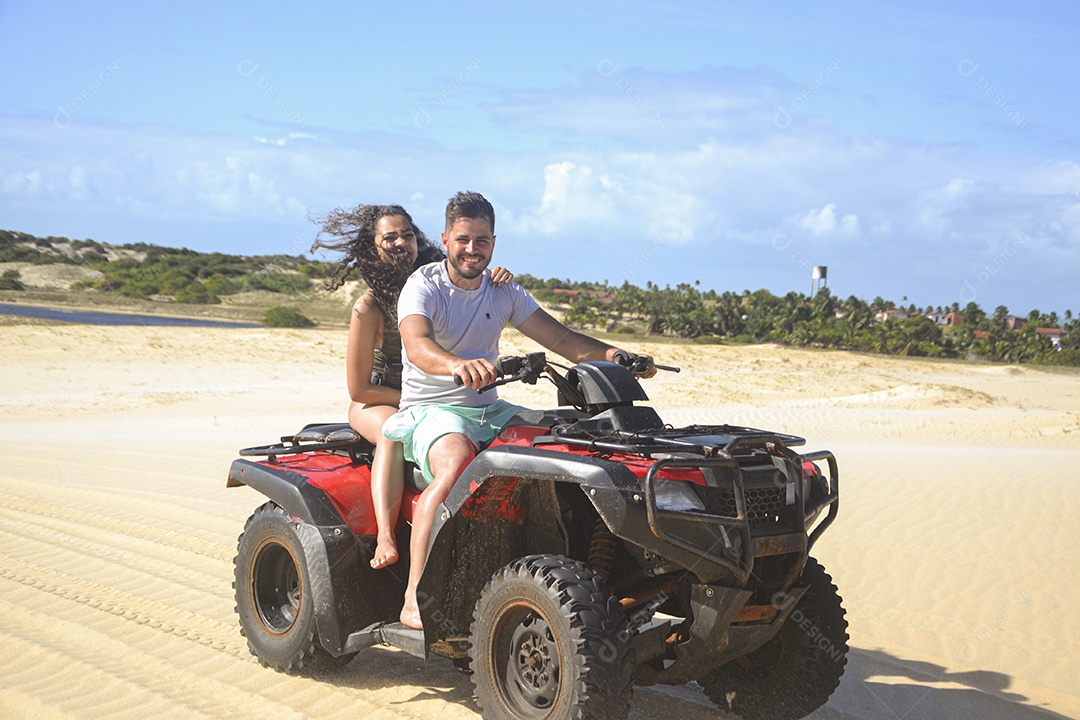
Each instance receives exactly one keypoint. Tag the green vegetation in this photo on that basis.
(820, 321)
(142, 272)
(148, 271)
(283, 317)
(10, 281)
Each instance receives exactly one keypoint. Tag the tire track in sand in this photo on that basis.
(165, 618)
(110, 676)
(157, 560)
(86, 506)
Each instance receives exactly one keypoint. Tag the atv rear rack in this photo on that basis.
(314, 437)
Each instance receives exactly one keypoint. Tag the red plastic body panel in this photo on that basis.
(519, 435)
(348, 486)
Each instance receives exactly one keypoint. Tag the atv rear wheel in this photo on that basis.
(549, 641)
(273, 598)
(797, 670)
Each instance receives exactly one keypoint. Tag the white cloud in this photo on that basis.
(660, 108)
(283, 141)
(957, 187)
(573, 195)
(823, 222)
(705, 195)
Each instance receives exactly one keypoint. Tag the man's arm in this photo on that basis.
(563, 341)
(418, 337)
(572, 345)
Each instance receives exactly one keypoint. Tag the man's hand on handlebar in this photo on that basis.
(476, 373)
(641, 366)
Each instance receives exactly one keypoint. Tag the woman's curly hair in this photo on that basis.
(352, 233)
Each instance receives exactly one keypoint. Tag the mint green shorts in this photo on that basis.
(419, 427)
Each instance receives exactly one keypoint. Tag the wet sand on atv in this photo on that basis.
(954, 549)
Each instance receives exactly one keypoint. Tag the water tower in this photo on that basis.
(818, 278)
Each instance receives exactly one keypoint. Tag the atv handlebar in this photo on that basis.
(511, 368)
(527, 369)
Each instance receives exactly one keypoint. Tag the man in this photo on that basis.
(451, 318)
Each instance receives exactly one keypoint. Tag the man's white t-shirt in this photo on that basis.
(467, 323)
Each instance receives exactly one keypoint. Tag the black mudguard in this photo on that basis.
(348, 594)
(289, 489)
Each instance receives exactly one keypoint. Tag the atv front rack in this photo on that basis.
(832, 500)
(717, 449)
(655, 514)
(675, 440)
(750, 546)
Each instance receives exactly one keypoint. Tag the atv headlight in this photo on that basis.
(676, 495)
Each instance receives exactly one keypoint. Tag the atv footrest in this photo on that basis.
(395, 634)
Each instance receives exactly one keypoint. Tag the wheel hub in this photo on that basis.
(276, 587)
(534, 662)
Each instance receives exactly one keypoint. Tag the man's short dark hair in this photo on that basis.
(470, 205)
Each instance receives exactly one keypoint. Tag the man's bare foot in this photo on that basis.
(386, 553)
(410, 615)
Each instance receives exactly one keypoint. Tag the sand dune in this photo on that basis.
(954, 548)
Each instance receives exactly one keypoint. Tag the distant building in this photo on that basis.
(1014, 323)
(938, 318)
(885, 315)
(954, 318)
(1054, 335)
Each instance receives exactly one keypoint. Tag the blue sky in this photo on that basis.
(917, 149)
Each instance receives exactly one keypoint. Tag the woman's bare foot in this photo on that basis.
(386, 553)
(410, 615)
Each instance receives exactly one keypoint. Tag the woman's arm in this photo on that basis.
(364, 326)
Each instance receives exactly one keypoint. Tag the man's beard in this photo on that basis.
(471, 274)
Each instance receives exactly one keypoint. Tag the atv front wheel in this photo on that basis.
(273, 597)
(798, 669)
(549, 641)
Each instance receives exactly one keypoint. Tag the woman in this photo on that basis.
(382, 242)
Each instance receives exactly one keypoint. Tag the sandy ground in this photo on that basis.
(954, 549)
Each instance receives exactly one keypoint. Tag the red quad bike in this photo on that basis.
(587, 549)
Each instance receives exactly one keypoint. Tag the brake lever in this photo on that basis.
(637, 365)
(501, 381)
